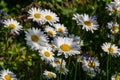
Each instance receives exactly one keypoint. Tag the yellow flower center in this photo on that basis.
(48, 17)
(57, 62)
(51, 33)
(50, 74)
(37, 15)
(23, 56)
(35, 38)
(116, 27)
(7, 77)
(91, 64)
(111, 50)
(47, 54)
(12, 26)
(114, 10)
(88, 23)
(117, 78)
(62, 69)
(65, 47)
(60, 30)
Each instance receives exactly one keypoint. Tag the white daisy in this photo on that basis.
(111, 49)
(7, 75)
(115, 77)
(76, 39)
(114, 26)
(51, 31)
(62, 69)
(35, 38)
(60, 28)
(46, 54)
(90, 64)
(66, 46)
(58, 62)
(36, 14)
(88, 23)
(13, 24)
(50, 17)
(49, 74)
(114, 7)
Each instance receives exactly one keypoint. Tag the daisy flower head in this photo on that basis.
(115, 77)
(13, 24)
(50, 17)
(49, 74)
(46, 54)
(114, 7)
(90, 64)
(35, 38)
(60, 28)
(36, 14)
(7, 75)
(58, 62)
(62, 69)
(88, 23)
(114, 27)
(76, 39)
(66, 46)
(111, 49)
(51, 31)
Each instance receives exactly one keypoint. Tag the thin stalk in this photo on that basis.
(108, 59)
(75, 70)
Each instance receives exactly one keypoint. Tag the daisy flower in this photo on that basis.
(114, 7)
(60, 28)
(50, 17)
(35, 38)
(66, 46)
(114, 26)
(46, 54)
(115, 77)
(58, 62)
(49, 74)
(7, 75)
(13, 24)
(111, 49)
(36, 14)
(76, 39)
(51, 31)
(62, 69)
(90, 64)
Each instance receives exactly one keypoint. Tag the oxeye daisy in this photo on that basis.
(114, 27)
(62, 69)
(115, 77)
(36, 14)
(7, 75)
(51, 31)
(49, 74)
(46, 54)
(58, 62)
(66, 46)
(111, 49)
(88, 23)
(35, 38)
(60, 28)
(90, 64)
(13, 24)
(50, 17)
(76, 39)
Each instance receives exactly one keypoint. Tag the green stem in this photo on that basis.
(108, 59)
(75, 70)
